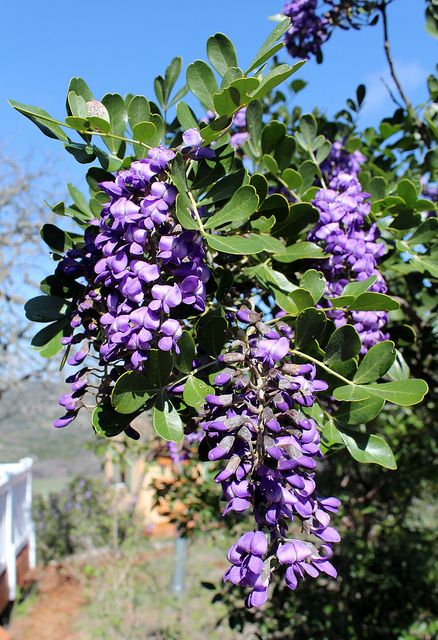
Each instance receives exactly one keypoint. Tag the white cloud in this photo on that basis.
(412, 76)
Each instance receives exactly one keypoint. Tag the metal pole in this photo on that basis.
(179, 569)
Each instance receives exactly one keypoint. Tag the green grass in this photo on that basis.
(130, 596)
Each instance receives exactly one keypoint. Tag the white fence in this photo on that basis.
(16, 526)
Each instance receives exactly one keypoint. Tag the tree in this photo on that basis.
(232, 277)
(21, 215)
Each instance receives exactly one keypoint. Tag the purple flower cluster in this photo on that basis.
(255, 423)
(343, 232)
(308, 30)
(341, 161)
(139, 268)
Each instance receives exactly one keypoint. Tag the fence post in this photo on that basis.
(10, 544)
(29, 519)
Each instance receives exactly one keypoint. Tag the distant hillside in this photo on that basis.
(26, 416)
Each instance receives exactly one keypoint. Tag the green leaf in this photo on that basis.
(130, 392)
(202, 83)
(371, 301)
(359, 412)
(377, 188)
(239, 209)
(299, 216)
(159, 88)
(80, 200)
(360, 94)
(273, 133)
(186, 116)
(309, 325)
(42, 119)
(158, 367)
(178, 174)
(184, 359)
(167, 422)
(344, 344)
(272, 277)
(254, 112)
(225, 188)
(195, 391)
(48, 340)
(368, 449)
(308, 171)
(314, 282)
(107, 422)
(83, 153)
(215, 129)
(138, 111)
(331, 437)
(426, 232)
(402, 392)
(183, 213)
(178, 95)
(261, 186)
(158, 123)
(323, 151)
(97, 123)
(77, 104)
(356, 288)
(271, 244)
(407, 191)
(231, 74)
(275, 77)
(236, 245)
(45, 309)
(399, 369)
(294, 302)
(226, 101)
(118, 117)
(271, 164)
(284, 152)
(292, 178)
(144, 132)
(171, 75)
(79, 86)
(301, 251)
(107, 161)
(245, 86)
(266, 50)
(221, 53)
(266, 56)
(376, 362)
(277, 205)
(308, 129)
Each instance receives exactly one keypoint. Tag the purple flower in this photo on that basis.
(353, 249)
(259, 400)
(308, 30)
(192, 138)
(194, 149)
(138, 267)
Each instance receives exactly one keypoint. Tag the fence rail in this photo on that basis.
(16, 526)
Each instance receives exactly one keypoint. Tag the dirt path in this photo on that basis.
(52, 616)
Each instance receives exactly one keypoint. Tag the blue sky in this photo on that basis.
(119, 47)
